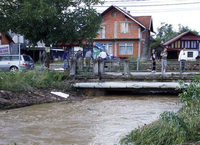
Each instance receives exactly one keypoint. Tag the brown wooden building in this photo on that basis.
(189, 40)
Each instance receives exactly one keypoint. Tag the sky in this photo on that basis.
(175, 12)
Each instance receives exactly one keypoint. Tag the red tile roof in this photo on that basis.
(144, 21)
(180, 36)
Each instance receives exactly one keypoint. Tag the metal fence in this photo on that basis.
(117, 65)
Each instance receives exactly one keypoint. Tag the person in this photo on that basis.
(78, 54)
(153, 60)
(103, 55)
(182, 58)
(164, 59)
(66, 56)
(88, 57)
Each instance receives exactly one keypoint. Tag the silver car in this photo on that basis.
(12, 62)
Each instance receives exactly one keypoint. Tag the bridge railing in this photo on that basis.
(125, 66)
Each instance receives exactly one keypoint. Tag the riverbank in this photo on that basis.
(180, 127)
(11, 99)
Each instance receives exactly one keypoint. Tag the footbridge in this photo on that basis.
(135, 82)
(100, 77)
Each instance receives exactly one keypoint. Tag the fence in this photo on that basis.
(98, 66)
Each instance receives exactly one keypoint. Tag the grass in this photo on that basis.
(27, 81)
(173, 128)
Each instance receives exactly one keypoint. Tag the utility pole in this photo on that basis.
(19, 51)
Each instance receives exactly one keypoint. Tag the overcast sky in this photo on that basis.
(184, 12)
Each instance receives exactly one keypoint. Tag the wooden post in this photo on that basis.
(72, 63)
(101, 66)
(80, 64)
(95, 67)
(126, 67)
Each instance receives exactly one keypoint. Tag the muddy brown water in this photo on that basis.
(97, 121)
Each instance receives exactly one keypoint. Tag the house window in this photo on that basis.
(114, 14)
(182, 45)
(108, 48)
(176, 44)
(190, 54)
(187, 44)
(193, 44)
(172, 45)
(179, 44)
(102, 32)
(126, 48)
(124, 27)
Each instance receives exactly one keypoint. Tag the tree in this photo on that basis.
(155, 42)
(50, 21)
(182, 29)
(165, 32)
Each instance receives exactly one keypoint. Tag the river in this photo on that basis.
(97, 121)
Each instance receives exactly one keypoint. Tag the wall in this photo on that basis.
(4, 40)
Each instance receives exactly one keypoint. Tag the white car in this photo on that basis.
(12, 63)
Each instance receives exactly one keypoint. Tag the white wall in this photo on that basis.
(195, 54)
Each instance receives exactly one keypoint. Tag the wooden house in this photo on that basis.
(124, 35)
(189, 40)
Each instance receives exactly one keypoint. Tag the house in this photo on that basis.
(124, 35)
(158, 49)
(5, 43)
(4, 40)
(189, 40)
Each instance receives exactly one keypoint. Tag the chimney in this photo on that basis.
(124, 8)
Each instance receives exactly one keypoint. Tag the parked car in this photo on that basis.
(12, 63)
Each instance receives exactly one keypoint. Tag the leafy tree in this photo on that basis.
(183, 29)
(50, 21)
(155, 42)
(165, 32)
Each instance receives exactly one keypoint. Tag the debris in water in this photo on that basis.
(61, 94)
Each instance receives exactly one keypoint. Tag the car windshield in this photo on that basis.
(27, 58)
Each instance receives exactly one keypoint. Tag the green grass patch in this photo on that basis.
(23, 81)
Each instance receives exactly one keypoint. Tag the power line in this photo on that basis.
(126, 1)
(145, 1)
(154, 5)
(156, 11)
